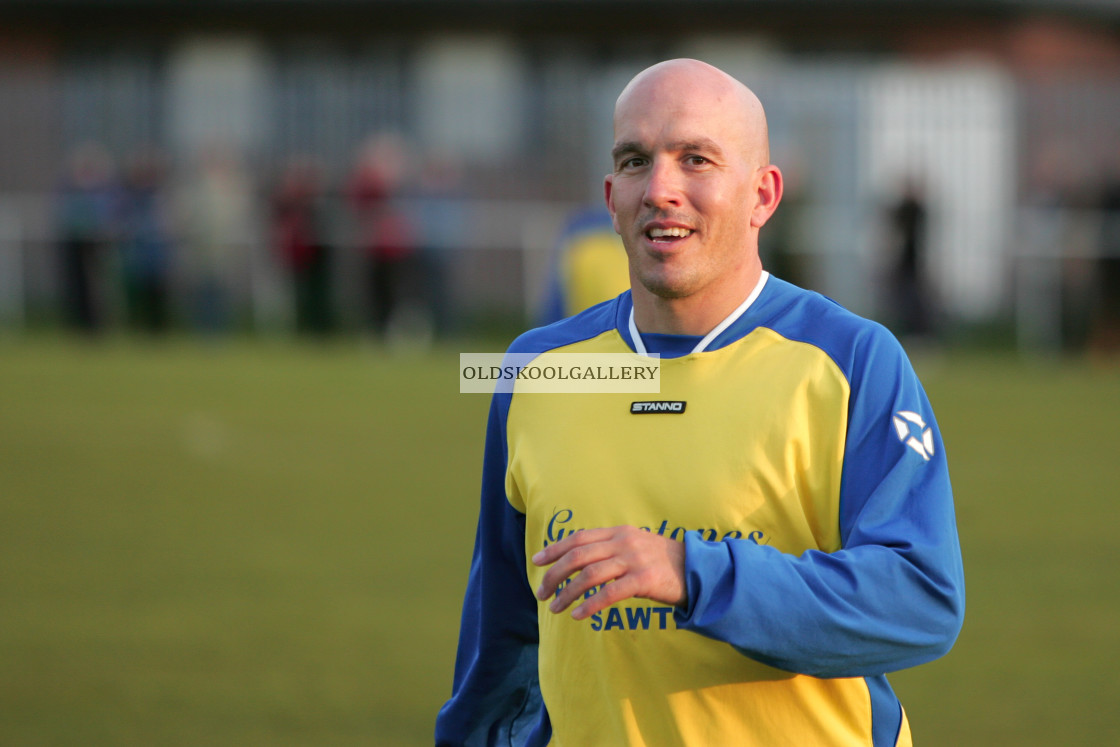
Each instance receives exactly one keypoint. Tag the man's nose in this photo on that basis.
(663, 187)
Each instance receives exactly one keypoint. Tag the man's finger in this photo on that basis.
(557, 549)
(607, 595)
(595, 575)
(572, 561)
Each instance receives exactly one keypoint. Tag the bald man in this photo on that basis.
(743, 557)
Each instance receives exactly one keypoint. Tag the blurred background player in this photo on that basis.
(589, 265)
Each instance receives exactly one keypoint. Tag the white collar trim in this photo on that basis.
(640, 346)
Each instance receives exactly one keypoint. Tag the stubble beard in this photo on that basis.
(668, 282)
(665, 287)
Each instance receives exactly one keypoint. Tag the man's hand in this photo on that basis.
(637, 563)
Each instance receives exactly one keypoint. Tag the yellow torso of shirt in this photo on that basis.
(756, 456)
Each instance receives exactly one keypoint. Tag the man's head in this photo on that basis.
(691, 183)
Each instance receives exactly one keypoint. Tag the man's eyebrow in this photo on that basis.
(629, 146)
(701, 145)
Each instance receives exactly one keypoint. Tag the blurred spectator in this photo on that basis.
(1106, 326)
(300, 240)
(589, 265)
(1055, 272)
(911, 305)
(87, 202)
(145, 242)
(386, 236)
(439, 217)
(216, 214)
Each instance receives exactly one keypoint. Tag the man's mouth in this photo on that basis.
(668, 234)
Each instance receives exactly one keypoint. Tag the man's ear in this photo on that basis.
(770, 185)
(608, 192)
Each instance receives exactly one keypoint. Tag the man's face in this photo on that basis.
(684, 185)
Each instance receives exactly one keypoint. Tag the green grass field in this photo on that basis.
(267, 544)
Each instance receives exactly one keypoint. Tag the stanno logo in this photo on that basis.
(642, 408)
(913, 432)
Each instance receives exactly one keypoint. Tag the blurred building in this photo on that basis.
(1008, 114)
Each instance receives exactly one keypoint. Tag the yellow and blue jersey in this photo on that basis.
(805, 475)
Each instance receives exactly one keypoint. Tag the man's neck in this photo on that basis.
(696, 314)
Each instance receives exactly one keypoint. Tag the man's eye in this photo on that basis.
(633, 162)
(696, 160)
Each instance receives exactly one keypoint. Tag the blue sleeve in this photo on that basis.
(893, 596)
(496, 694)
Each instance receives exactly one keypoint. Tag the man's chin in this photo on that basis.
(668, 288)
